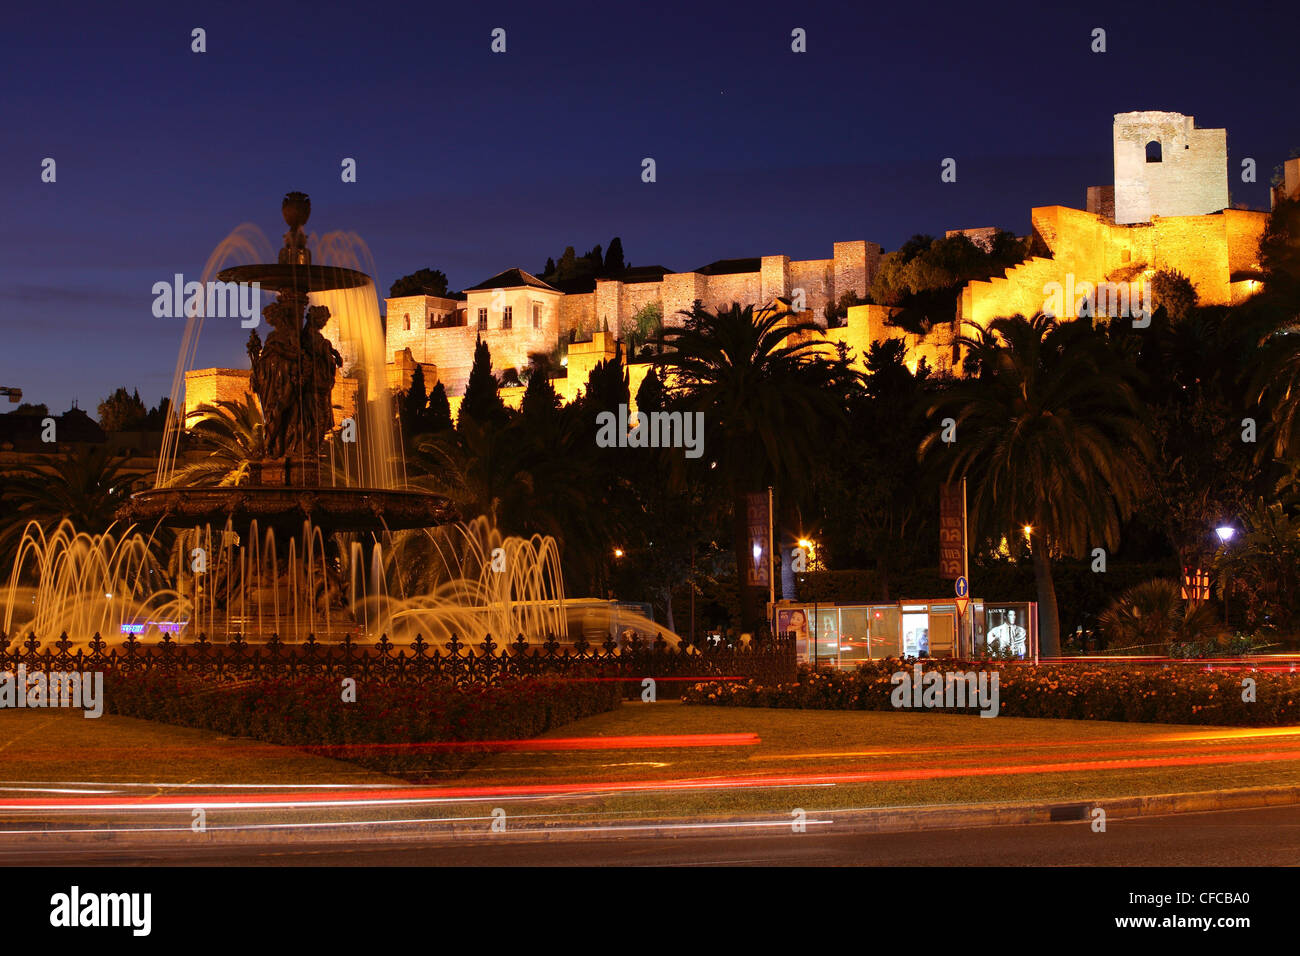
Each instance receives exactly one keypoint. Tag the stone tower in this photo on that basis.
(1165, 166)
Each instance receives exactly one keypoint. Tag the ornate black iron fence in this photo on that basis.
(770, 661)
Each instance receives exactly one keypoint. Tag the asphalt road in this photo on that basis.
(1254, 837)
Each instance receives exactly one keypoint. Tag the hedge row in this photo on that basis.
(1173, 695)
(372, 732)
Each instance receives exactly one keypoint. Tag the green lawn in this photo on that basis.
(64, 746)
(970, 760)
(803, 742)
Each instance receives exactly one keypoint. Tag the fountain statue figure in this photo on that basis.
(294, 369)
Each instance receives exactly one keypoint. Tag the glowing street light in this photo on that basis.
(1225, 533)
(618, 552)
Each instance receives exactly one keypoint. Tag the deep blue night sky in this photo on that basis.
(473, 162)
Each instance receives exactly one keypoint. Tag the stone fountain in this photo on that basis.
(293, 553)
(293, 375)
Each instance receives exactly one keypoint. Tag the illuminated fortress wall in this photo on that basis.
(1169, 205)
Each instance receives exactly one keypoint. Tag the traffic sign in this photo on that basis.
(963, 588)
(962, 604)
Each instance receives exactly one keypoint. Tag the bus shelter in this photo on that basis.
(845, 634)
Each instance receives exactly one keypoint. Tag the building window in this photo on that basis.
(428, 322)
(507, 317)
(1153, 152)
(537, 316)
(406, 320)
(482, 318)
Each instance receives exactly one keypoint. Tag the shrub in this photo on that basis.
(1162, 694)
(382, 730)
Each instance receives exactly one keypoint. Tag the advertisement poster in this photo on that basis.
(1006, 627)
(794, 620)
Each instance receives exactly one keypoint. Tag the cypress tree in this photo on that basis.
(614, 264)
(540, 398)
(650, 396)
(482, 401)
(414, 404)
(438, 414)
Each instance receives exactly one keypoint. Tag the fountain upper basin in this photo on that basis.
(295, 278)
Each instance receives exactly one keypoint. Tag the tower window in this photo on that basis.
(1153, 152)
(482, 318)
(428, 322)
(406, 321)
(507, 317)
(537, 316)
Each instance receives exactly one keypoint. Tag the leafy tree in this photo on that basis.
(156, 420)
(1174, 292)
(122, 411)
(420, 282)
(1049, 434)
(924, 277)
(482, 400)
(645, 326)
(567, 267)
(1262, 567)
(837, 313)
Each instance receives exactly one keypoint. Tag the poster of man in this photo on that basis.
(1006, 631)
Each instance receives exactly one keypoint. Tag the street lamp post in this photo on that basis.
(808, 548)
(1225, 533)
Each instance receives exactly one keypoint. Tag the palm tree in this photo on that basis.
(85, 486)
(1050, 435)
(770, 401)
(235, 437)
(1155, 614)
(1275, 312)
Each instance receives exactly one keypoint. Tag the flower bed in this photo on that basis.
(1174, 695)
(409, 731)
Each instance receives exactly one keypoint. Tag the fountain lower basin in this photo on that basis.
(328, 508)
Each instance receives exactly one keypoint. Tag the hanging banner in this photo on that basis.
(758, 522)
(952, 531)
